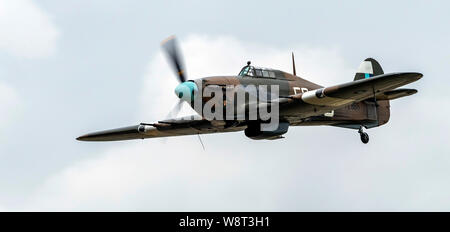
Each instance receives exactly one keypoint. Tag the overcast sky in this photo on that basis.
(72, 67)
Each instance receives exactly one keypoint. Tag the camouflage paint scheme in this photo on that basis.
(363, 102)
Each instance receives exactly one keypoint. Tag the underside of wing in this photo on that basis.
(167, 128)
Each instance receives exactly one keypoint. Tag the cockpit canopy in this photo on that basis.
(251, 71)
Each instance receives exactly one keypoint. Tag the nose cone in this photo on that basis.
(185, 91)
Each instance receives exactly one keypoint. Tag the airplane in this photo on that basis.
(358, 104)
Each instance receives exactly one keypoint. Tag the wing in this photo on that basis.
(320, 101)
(381, 86)
(173, 127)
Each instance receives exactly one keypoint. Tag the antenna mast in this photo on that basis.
(293, 65)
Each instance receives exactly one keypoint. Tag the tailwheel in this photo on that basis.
(364, 136)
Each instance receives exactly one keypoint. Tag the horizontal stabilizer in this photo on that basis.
(397, 93)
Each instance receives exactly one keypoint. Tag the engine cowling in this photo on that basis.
(254, 131)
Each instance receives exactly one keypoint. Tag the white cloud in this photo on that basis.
(314, 168)
(26, 30)
(9, 101)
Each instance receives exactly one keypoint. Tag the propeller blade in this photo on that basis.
(175, 110)
(175, 57)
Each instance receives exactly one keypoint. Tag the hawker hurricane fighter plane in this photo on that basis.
(358, 104)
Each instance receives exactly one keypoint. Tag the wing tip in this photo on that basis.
(123, 133)
(419, 75)
(86, 137)
(414, 76)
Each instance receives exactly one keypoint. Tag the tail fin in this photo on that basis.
(368, 68)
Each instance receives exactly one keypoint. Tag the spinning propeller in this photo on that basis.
(185, 90)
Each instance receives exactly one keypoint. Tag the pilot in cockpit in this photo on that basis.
(247, 70)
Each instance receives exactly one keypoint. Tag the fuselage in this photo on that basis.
(291, 88)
